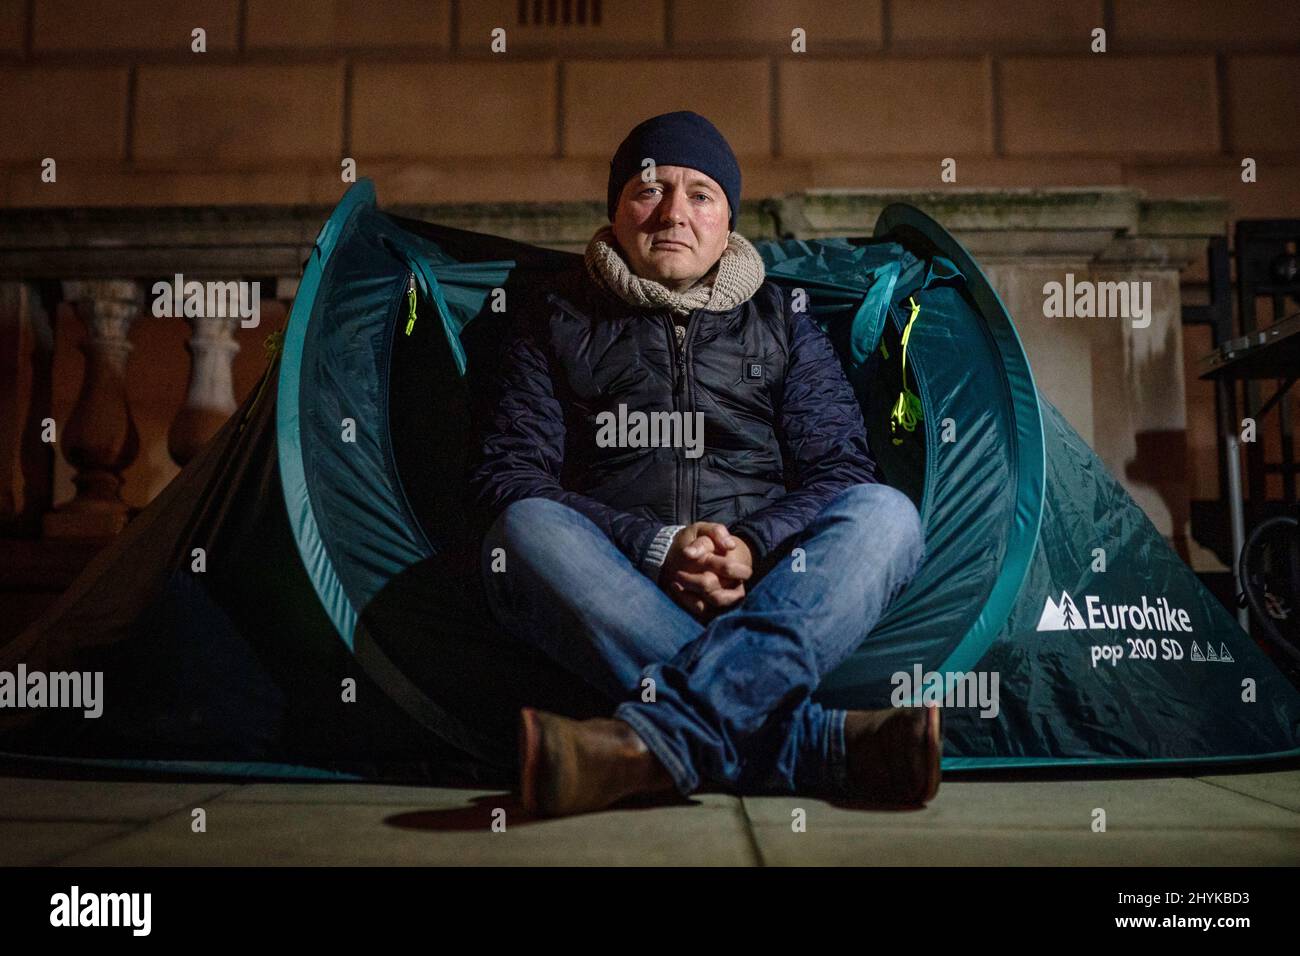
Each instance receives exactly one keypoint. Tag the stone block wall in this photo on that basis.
(413, 91)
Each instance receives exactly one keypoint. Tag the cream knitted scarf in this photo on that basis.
(734, 278)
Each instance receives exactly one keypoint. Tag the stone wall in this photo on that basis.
(412, 90)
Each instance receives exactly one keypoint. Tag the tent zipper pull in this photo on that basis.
(410, 302)
(907, 411)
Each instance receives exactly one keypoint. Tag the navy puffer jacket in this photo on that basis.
(782, 431)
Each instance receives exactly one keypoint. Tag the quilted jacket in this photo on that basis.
(782, 429)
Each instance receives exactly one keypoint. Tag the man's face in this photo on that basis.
(674, 227)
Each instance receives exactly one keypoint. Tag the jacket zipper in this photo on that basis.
(692, 466)
(679, 374)
(684, 492)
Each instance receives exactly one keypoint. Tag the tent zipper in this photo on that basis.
(410, 302)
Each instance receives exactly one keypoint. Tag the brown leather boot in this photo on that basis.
(577, 766)
(893, 754)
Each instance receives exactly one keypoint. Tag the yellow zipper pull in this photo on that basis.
(907, 411)
(410, 302)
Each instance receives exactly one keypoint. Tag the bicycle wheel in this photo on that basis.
(1269, 572)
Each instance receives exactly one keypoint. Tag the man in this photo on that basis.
(707, 587)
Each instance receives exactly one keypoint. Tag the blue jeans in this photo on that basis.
(731, 705)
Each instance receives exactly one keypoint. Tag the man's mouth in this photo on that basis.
(668, 244)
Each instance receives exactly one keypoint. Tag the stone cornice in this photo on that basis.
(1105, 224)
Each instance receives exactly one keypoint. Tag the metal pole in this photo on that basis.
(1237, 511)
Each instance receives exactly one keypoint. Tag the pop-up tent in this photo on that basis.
(337, 625)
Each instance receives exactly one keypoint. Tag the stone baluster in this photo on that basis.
(99, 439)
(26, 381)
(210, 397)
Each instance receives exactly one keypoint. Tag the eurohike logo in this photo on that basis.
(1063, 615)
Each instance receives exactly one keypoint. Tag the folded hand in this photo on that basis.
(706, 569)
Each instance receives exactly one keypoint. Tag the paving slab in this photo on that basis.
(39, 798)
(405, 795)
(1149, 822)
(1130, 803)
(920, 846)
(39, 842)
(443, 827)
(1280, 787)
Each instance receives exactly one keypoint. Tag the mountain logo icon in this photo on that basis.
(1061, 615)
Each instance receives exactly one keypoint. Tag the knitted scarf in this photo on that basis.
(734, 278)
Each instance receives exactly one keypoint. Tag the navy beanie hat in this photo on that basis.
(677, 139)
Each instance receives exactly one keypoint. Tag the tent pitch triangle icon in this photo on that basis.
(1061, 616)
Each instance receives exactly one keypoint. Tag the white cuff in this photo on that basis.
(658, 550)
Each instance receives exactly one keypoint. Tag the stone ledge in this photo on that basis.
(1112, 224)
(850, 211)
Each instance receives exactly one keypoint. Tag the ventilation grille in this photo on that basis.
(552, 13)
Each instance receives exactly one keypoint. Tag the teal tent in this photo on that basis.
(1049, 613)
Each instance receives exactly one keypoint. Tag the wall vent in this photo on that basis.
(552, 13)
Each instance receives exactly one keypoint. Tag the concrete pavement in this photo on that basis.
(1213, 819)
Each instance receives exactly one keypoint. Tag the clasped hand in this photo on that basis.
(706, 569)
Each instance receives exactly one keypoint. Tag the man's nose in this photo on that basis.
(674, 207)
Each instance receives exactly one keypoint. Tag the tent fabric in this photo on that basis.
(332, 509)
(234, 669)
